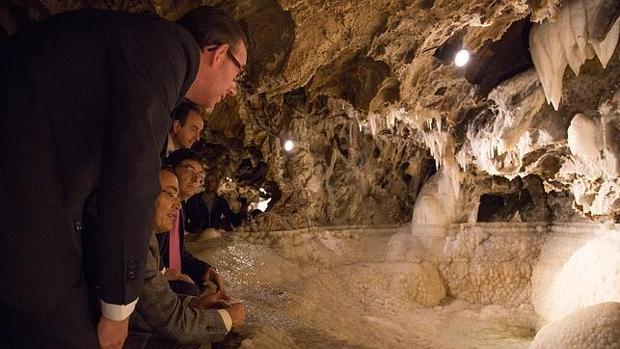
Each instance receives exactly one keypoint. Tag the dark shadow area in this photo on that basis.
(501, 60)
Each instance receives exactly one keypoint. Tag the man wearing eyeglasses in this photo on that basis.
(85, 104)
(186, 273)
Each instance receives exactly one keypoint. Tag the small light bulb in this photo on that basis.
(289, 145)
(461, 58)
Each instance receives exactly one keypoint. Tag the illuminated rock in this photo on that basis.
(593, 327)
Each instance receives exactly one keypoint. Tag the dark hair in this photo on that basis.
(166, 167)
(180, 112)
(178, 156)
(212, 26)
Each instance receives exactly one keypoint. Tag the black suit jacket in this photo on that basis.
(199, 218)
(85, 103)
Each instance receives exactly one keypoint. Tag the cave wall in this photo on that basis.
(369, 93)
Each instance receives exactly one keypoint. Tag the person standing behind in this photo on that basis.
(209, 210)
(85, 104)
(187, 124)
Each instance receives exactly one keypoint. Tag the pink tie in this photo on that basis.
(175, 245)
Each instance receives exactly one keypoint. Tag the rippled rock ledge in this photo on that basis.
(492, 285)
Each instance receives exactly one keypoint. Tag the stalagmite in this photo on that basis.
(583, 138)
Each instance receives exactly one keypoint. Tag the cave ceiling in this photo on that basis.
(369, 92)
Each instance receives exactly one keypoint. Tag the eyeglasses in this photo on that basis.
(241, 75)
(173, 195)
(190, 169)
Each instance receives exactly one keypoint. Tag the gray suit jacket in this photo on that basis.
(166, 317)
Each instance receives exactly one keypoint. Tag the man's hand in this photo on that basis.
(237, 314)
(214, 300)
(212, 275)
(112, 334)
(175, 275)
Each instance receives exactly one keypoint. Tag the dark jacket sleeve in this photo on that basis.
(223, 209)
(191, 265)
(196, 215)
(148, 67)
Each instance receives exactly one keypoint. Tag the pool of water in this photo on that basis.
(468, 286)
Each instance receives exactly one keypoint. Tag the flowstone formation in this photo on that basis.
(491, 285)
(597, 326)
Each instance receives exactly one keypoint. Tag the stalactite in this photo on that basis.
(570, 40)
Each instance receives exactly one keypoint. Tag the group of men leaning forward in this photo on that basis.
(86, 99)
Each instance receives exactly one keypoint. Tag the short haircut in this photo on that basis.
(178, 156)
(212, 26)
(166, 167)
(180, 113)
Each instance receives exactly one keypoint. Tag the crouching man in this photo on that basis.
(164, 319)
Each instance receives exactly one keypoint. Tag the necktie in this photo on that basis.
(174, 252)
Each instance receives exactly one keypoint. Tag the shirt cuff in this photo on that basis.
(118, 312)
(226, 318)
(163, 271)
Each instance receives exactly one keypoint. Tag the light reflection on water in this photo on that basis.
(327, 288)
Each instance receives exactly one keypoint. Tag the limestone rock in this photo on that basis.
(593, 327)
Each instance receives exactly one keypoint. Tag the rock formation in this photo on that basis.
(502, 167)
(369, 93)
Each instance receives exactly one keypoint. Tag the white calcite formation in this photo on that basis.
(594, 327)
(570, 39)
(585, 138)
(491, 263)
(352, 287)
(465, 286)
(439, 201)
(579, 267)
(593, 169)
(499, 146)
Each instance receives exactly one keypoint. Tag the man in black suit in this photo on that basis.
(85, 103)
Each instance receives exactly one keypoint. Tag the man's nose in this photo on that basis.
(177, 204)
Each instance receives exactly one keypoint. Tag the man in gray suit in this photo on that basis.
(163, 318)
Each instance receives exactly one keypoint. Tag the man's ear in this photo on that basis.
(216, 56)
(176, 126)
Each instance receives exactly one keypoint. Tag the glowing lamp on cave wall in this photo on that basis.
(289, 145)
(462, 58)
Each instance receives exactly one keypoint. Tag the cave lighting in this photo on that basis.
(262, 204)
(289, 145)
(462, 58)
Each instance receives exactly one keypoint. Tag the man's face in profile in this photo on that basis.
(168, 203)
(187, 133)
